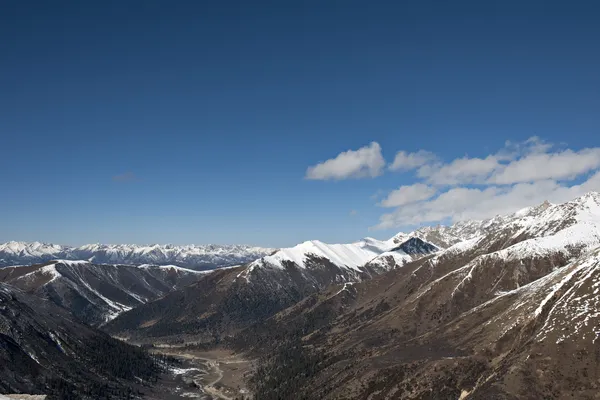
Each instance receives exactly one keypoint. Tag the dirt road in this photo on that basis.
(211, 369)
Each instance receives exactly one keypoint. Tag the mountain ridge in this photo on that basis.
(44, 350)
(97, 293)
(189, 256)
(223, 302)
(423, 328)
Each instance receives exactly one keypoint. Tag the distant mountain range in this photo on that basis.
(505, 308)
(192, 256)
(227, 300)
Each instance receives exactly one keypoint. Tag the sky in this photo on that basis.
(275, 122)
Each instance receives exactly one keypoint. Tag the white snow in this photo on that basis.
(182, 371)
(353, 255)
(33, 357)
(57, 341)
(555, 288)
(50, 270)
(572, 313)
(45, 270)
(175, 267)
(71, 262)
(345, 287)
(584, 235)
(400, 259)
(115, 308)
(463, 246)
(24, 253)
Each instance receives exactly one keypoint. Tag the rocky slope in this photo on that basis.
(97, 293)
(225, 301)
(508, 314)
(44, 350)
(195, 257)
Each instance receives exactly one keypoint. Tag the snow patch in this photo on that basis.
(352, 256)
(57, 341)
(182, 371)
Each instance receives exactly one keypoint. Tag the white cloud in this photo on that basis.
(474, 170)
(535, 144)
(517, 176)
(362, 163)
(567, 164)
(461, 203)
(353, 213)
(406, 161)
(461, 170)
(408, 194)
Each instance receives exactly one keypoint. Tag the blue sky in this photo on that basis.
(196, 122)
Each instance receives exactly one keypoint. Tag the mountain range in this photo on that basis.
(227, 300)
(97, 293)
(503, 308)
(45, 350)
(193, 256)
(510, 313)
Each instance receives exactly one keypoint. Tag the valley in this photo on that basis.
(313, 200)
(478, 311)
(216, 374)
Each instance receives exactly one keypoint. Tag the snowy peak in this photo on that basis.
(440, 235)
(411, 249)
(190, 256)
(548, 219)
(535, 221)
(368, 256)
(416, 246)
(352, 255)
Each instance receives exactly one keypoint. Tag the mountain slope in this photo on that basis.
(43, 350)
(422, 329)
(196, 257)
(97, 293)
(225, 301)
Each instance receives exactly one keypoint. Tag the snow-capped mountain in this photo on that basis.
(475, 312)
(440, 235)
(536, 220)
(97, 293)
(191, 256)
(347, 257)
(508, 312)
(234, 298)
(503, 253)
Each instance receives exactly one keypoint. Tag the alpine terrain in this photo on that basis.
(227, 300)
(44, 350)
(192, 256)
(510, 312)
(423, 177)
(97, 293)
(503, 308)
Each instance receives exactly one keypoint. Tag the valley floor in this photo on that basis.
(206, 375)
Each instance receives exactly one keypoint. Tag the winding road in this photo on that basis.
(213, 365)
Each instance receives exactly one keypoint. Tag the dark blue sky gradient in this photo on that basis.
(218, 108)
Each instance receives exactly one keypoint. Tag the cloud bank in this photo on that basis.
(517, 176)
